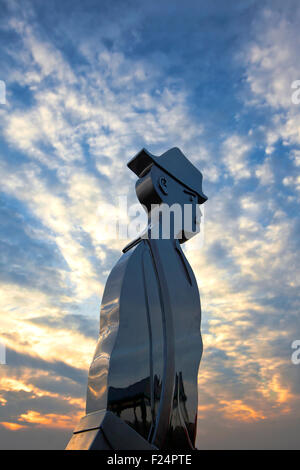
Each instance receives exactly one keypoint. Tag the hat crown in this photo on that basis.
(175, 163)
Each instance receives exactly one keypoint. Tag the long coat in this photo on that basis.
(146, 362)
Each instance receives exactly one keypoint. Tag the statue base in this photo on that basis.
(103, 430)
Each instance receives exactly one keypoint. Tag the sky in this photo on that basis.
(88, 84)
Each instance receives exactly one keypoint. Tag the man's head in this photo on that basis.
(175, 164)
(170, 182)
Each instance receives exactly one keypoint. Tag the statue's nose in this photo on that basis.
(198, 215)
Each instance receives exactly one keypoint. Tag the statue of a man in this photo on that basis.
(142, 385)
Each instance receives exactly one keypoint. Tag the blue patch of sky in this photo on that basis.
(28, 259)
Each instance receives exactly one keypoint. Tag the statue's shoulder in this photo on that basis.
(131, 246)
(131, 253)
(127, 269)
(126, 274)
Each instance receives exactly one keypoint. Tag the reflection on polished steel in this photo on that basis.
(142, 385)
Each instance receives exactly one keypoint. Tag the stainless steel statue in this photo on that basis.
(142, 385)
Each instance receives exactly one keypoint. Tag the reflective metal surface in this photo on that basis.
(146, 362)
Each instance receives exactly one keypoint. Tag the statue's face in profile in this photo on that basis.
(191, 213)
(170, 204)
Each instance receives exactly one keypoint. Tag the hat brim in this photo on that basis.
(143, 161)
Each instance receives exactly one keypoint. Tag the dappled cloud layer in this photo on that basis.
(84, 93)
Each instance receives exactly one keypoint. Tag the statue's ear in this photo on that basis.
(163, 184)
(147, 189)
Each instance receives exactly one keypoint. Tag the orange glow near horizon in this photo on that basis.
(50, 420)
(239, 411)
(12, 426)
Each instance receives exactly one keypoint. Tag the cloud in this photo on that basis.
(264, 173)
(85, 92)
(272, 67)
(235, 149)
